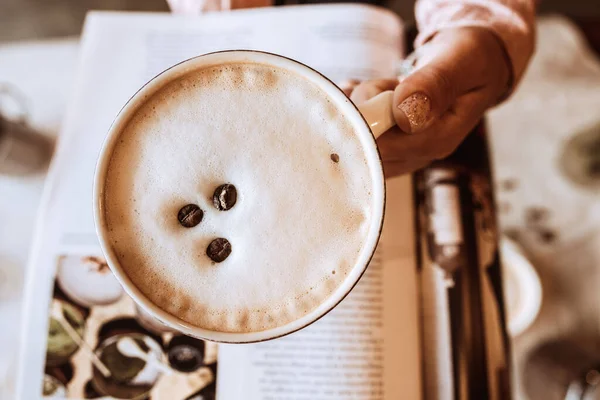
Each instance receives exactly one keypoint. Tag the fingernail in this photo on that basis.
(417, 108)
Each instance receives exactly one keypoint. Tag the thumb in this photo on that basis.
(423, 96)
(454, 62)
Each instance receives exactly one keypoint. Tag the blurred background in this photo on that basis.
(545, 152)
(38, 19)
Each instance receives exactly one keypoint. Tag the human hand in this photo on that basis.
(461, 73)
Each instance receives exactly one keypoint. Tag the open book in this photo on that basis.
(366, 348)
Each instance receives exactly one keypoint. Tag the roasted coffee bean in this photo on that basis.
(190, 215)
(225, 197)
(335, 158)
(218, 250)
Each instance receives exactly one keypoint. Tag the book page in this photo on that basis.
(366, 348)
(120, 52)
(123, 51)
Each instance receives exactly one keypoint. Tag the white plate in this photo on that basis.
(522, 287)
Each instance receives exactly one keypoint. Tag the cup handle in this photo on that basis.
(378, 112)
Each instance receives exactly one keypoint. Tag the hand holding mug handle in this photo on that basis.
(378, 112)
(442, 95)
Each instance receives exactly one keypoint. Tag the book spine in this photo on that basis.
(458, 245)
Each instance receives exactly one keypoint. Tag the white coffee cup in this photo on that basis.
(373, 118)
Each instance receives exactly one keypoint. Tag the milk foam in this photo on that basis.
(300, 220)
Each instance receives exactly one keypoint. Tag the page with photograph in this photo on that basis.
(99, 342)
(119, 53)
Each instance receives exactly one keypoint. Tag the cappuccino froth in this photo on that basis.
(300, 219)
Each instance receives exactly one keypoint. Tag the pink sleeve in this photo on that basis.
(196, 7)
(513, 21)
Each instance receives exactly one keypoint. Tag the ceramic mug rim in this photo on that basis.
(171, 74)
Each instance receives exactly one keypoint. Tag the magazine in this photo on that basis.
(76, 314)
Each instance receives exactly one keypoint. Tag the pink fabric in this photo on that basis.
(513, 21)
(195, 7)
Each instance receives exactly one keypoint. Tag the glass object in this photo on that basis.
(22, 149)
